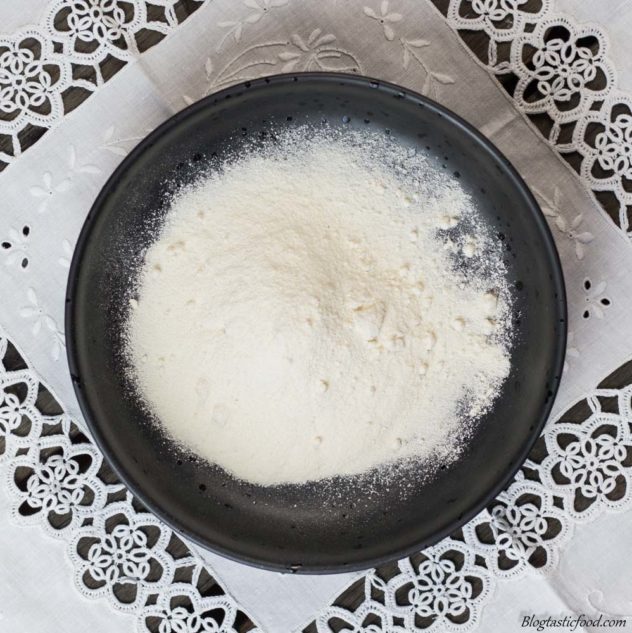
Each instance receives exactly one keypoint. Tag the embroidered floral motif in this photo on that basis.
(596, 300)
(315, 51)
(15, 247)
(410, 48)
(40, 317)
(235, 27)
(385, 18)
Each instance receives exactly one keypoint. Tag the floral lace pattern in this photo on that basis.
(48, 69)
(211, 614)
(580, 468)
(31, 85)
(560, 72)
(59, 480)
(436, 589)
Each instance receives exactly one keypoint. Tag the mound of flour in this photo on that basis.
(324, 306)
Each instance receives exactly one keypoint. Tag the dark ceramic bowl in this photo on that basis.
(304, 528)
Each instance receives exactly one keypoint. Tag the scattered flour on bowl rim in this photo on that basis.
(327, 305)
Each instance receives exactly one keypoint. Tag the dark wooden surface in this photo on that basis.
(478, 44)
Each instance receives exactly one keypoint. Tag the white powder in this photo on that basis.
(303, 312)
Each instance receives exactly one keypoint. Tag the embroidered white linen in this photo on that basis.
(47, 192)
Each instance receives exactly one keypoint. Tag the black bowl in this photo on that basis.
(305, 528)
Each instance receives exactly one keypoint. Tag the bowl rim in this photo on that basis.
(521, 188)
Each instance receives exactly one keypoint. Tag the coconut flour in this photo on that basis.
(323, 306)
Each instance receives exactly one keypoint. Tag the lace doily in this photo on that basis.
(568, 86)
(57, 479)
(49, 69)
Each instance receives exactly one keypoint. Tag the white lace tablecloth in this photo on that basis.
(81, 81)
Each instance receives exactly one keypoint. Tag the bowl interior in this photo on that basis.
(307, 528)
